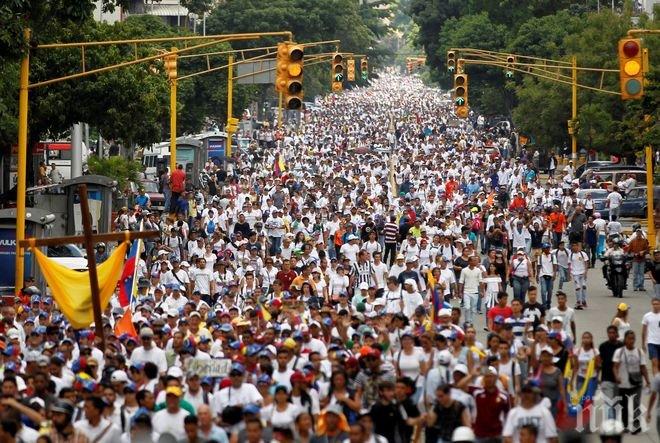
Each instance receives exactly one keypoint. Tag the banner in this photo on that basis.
(210, 368)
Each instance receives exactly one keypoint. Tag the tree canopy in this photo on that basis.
(551, 29)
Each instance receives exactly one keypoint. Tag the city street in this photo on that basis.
(599, 314)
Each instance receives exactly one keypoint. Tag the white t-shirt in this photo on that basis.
(630, 360)
(538, 415)
(652, 322)
(112, 435)
(155, 355)
(614, 198)
(231, 396)
(202, 279)
(409, 365)
(584, 357)
(280, 419)
(164, 422)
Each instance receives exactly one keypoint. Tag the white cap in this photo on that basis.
(364, 285)
(400, 257)
(412, 259)
(558, 318)
(13, 334)
(175, 372)
(461, 368)
(119, 376)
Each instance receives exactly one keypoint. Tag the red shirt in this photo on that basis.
(178, 181)
(505, 312)
(286, 278)
(491, 409)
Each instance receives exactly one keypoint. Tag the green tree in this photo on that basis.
(121, 169)
(485, 83)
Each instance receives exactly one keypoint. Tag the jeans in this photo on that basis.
(638, 274)
(168, 200)
(610, 391)
(656, 290)
(520, 287)
(470, 307)
(563, 276)
(580, 287)
(630, 401)
(275, 245)
(546, 290)
(591, 252)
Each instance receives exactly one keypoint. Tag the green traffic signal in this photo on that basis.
(509, 74)
(460, 101)
(339, 77)
(633, 86)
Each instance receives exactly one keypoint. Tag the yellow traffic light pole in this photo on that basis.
(25, 86)
(172, 72)
(230, 98)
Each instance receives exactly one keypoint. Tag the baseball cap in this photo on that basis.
(622, 307)
(174, 390)
(119, 376)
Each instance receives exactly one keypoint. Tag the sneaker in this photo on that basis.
(578, 307)
(584, 304)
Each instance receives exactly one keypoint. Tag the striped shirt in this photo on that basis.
(363, 273)
(391, 231)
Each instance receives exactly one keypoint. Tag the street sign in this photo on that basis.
(256, 73)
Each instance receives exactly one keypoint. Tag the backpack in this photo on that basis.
(210, 227)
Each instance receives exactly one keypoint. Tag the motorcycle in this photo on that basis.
(617, 273)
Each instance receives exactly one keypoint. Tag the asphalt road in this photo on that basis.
(596, 318)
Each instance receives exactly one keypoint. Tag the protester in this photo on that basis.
(325, 287)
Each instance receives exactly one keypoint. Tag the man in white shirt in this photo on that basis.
(202, 278)
(530, 411)
(149, 352)
(578, 264)
(614, 202)
(238, 394)
(170, 420)
(651, 333)
(94, 426)
(470, 288)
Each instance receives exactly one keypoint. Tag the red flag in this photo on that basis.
(125, 325)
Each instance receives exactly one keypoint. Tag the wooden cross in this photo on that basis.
(88, 239)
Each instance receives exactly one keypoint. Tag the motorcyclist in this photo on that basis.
(615, 251)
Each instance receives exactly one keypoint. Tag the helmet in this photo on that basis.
(463, 434)
(63, 407)
(611, 429)
(100, 245)
(636, 226)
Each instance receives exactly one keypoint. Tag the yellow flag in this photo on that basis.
(71, 289)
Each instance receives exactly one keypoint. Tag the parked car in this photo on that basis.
(635, 204)
(595, 164)
(600, 200)
(607, 177)
(157, 198)
(68, 255)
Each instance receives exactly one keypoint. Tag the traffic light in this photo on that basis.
(510, 60)
(337, 72)
(461, 95)
(289, 75)
(350, 70)
(410, 66)
(232, 125)
(170, 65)
(451, 61)
(364, 69)
(631, 68)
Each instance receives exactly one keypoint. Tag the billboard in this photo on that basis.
(258, 72)
(8, 257)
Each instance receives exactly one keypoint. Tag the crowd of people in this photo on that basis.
(380, 271)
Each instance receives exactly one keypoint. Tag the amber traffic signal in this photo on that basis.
(337, 72)
(461, 95)
(451, 61)
(350, 70)
(289, 74)
(170, 65)
(631, 68)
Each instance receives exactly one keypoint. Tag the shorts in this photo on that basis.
(536, 253)
(654, 351)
